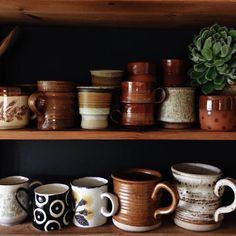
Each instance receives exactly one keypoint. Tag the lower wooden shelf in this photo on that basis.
(168, 228)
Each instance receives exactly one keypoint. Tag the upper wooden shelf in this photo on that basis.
(132, 13)
(116, 134)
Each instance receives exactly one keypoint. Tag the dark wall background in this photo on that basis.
(68, 53)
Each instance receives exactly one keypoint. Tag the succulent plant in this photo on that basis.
(213, 56)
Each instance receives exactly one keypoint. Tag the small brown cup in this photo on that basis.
(141, 68)
(134, 114)
(141, 92)
(139, 192)
(217, 113)
(173, 72)
(54, 105)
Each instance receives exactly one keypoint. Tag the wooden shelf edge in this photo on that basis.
(117, 134)
(131, 13)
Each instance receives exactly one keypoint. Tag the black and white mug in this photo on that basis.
(50, 206)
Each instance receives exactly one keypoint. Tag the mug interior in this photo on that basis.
(89, 182)
(12, 180)
(51, 189)
(137, 175)
(196, 169)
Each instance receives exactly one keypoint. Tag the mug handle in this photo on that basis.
(230, 182)
(32, 102)
(162, 92)
(113, 118)
(114, 203)
(174, 194)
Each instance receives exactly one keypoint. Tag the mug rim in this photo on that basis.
(117, 175)
(102, 180)
(207, 170)
(41, 190)
(16, 177)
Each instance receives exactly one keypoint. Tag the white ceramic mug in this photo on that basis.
(90, 195)
(200, 188)
(10, 211)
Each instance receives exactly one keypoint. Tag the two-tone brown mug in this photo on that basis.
(54, 105)
(139, 192)
(141, 92)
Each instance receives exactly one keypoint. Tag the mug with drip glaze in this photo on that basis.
(54, 105)
(200, 187)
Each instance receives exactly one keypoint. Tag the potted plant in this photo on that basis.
(213, 57)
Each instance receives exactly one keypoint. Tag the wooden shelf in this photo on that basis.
(116, 134)
(166, 229)
(135, 13)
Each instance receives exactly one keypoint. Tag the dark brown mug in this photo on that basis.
(55, 106)
(173, 72)
(139, 192)
(134, 114)
(141, 92)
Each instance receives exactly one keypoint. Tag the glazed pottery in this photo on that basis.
(14, 110)
(174, 72)
(134, 114)
(141, 92)
(217, 112)
(139, 194)
(50, 206)
(94, 106)
(10, 211)
(90, 205)
(200, 189)
(111, 78)
(141, 71)
(54, 105)
(178, 109)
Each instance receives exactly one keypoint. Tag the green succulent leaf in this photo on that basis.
(216, 48)
(222, 69)
(233, 49)
(219, 80)
(232, 33)
(211, 74)
(215, 27)
(207, 53)
(199, 44)
(224, 34)
(199, 67)
(224, 50)
(229, 40)
(195, 74)
(207, 88)
(219, 87)
(208, 43)
(202, 80)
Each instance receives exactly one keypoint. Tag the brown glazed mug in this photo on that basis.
(141, 92)
(54, 105)
(142, 71)
(217, 112)
(134, 114)
(173, 72)
(139, 192)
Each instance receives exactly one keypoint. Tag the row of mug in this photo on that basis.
(196, 194)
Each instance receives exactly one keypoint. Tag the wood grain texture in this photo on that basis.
(135, 13)
(116, 134)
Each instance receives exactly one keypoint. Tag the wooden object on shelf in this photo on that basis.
(135, 13)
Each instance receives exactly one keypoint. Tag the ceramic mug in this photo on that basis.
(141, 92)
(10, 211)
(200, 188)
(90, 195)
(139, 192)
(94, 106)
(51, 207)
(178, 109)
(14, 110)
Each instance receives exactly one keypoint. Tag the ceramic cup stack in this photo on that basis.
(178, 109)
(139, 96)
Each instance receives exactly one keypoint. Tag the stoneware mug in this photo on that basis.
(10, 210)
(139, 192)
(200, 188)
(90, 195)
(51, 206)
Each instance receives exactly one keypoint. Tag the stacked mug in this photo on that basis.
(139, 95)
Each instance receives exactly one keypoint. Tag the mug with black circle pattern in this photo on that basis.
(51, 208)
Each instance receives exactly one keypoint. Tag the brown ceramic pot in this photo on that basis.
(139, 194)
(141, 92)
(173, 72)
(54, 107)
(134, 114)
(217, 112)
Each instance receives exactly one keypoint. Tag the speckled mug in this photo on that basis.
(200, 187)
